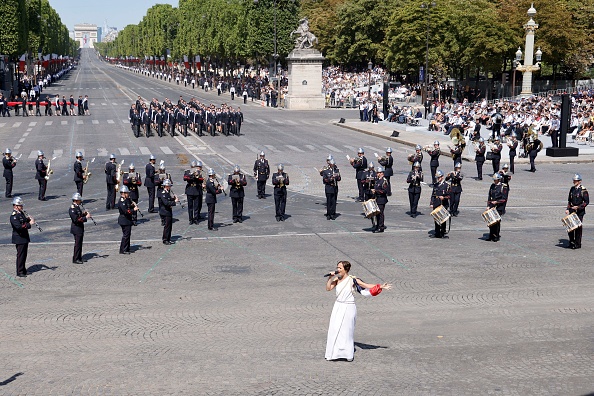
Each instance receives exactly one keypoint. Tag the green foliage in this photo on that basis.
(13, 31)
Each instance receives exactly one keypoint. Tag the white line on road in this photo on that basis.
(21, 140)
(166, 150)
(271, 148)
(17, 124)
(32, 124)
(233, 149)
(58, 153)
(279, 121)
(261, 120)
(295, 148)
(124, 151)
(64, 122)
(332, 148)
(48, 123)
(144, 150)
(252, 148)
(16, 147)
(79, 122)
(33, 154)
(310, 147)
(95, 122)
(81, 150)
(25, 134)
(2, 125)
(292, 122)
(110, 121)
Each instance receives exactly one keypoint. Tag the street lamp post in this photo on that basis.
(528, 67)
(427, 6)
(369, 67)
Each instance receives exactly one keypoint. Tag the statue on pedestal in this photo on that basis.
(306, 39)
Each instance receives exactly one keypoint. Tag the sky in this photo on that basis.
(118, 13)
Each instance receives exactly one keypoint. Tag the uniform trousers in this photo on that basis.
(126, 233)
(261, 188)
(479, 169)
(110, 202)
(211, 213)
(79, 187)
(237, 205)
(151, 199)
(380, 217)
(280, 202)
(496, 162)
(433, 172)
(511, 163)
(440, 229)
(42, 188)
(78, 243)
(331, 198)
(413, 198)
(575, 236)
(455, 195)
(21, 259)
(8, 192)
(361, 190)
(167, 228)
(194, 207)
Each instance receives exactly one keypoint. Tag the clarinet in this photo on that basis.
(29, 218)
(180, 202)
(85, 212)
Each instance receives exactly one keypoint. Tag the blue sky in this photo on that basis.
(118, 13)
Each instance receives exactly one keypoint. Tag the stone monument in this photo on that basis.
(305, 72)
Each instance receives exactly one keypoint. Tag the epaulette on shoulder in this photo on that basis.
(72, 206)
(584, 188)
(14, 213)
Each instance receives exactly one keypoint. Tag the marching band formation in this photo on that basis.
(373, 184)
(183, 117)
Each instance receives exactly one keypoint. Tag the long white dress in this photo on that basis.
(341, 331)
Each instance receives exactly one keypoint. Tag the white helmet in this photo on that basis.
(79, 154)
(379, 169)
(162, 167)
(199, 163)
(124, 189)
(167, 182)
(436, 143)
(152, 157)
(332, 162)
(439, 173)
(112, 156)
(236, 169)
(389, 150)
(76, 197)
(17, 201)
(505, 166)
(211, 172)
(418, 147)
(329, 157)
(262, 153)
(458, 165)
(131, 167)
(8, 151)
(194, 164)
(370, 165)
(280, 167)
(577, 177)
(360, 151)
(40, 153)
(417, 164)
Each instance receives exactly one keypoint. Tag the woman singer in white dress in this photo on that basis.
(341, 331)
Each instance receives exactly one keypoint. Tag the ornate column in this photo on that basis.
(528, 67)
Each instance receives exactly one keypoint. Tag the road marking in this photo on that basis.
(110, 121)
(166, 150)
(32, 124)
(17, 124)
(125, 121)
(144, 150)
(114, 104)
(312, 148)
(95, 122)
(271, 148)
(295, 149)
(124, 151)
(375, 149)
(25, 134)
(33, 154)
(279, 121)
(233, 149)
(101, 152)
(29, 129)
(248, 121)
(252, 148)
(48, 123)
(305, 122)
(79, 122)
(332, 148)
(261, 120)
(103, 104)
(21, 140)
(351, 148)
(292, 122)
(58, 153)
(2, 125)
(64, 122)
(16, 147)
(319, 123)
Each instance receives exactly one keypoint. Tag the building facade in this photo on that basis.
(85, 34)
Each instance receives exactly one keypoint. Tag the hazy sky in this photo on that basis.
(118, 13)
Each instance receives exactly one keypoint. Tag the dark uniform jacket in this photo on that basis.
(167, 203)
(133, 181)
(41, 168)
(360, 165)
(126, 208)
(20, 228)
(261, 169)
(441, 190)
(512, 149)
(498, 192)
(369, 179)
(414, 181)
(434, 154)
(194, 181)
(236, 189)
(8, 165)
(455, 179)
(149, 180)
(78, 171)
(388, 163)
(331, 177)
(78, 220)
(578, 196)
(479, 154)
(278, 188)
(382, 190)
(110, 173)
(211, 191)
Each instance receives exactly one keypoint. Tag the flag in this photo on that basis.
(23, 57)
(186, 63)
(198, 65)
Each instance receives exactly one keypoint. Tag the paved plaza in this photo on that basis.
(243, 310)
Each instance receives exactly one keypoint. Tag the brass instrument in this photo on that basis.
(281, 181)
(410, 158)
(29, 218)
(119, 175)
(357, 159)
(456, 136)
(49, 171)
(86, 172)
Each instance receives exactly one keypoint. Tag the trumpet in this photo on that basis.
(29, 218)
(427, 148)
(85, 213)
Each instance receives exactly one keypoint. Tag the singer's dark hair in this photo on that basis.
(346, 265)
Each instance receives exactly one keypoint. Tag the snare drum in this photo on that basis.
(370, 208)
(491, 216)
(440, 214)
(571, 222)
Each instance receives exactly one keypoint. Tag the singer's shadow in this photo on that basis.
(360, 345)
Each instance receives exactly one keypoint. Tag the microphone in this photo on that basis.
(329, 274)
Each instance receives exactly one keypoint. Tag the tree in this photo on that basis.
(14, 31)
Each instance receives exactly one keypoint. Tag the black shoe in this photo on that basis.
(235, 221)
(153, 211)
(9, 196)
(124, 252)
(381, 230)
(240, 220)
(196, 221)
(22, 275)
(191, 222)
(277, 218)
(333, 217)
(282, 218)
(578, 246)
(162, 223)
(77, 262)
(212, 228)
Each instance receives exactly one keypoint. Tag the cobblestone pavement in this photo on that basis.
(243, 311)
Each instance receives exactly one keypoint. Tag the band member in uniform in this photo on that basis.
(77, 228)
(381, 191)
(111, 181)
(126, 208)
(360, 166)
(237, 181)
(133, 182)
(496, 148)
(479, 158)
(387, 163)
(261, 173)
(513, 146)
(533, 150)
(440, 196)
(280, 181)
(328, 159)
(434, 163)
(497, 199)
(8, 162)
(78, 172)
(416, 157)
(576, 203)
(414, 179)
(455, 179)
(212, 189)
(331, 177)
(20, 234)
(158, 180)
(368, 182)
(505, 175)
(456, 152)
(40, 174)
(149, 183)
(168, 201)
(194, 184)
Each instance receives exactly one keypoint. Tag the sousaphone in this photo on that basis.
(456, 137)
